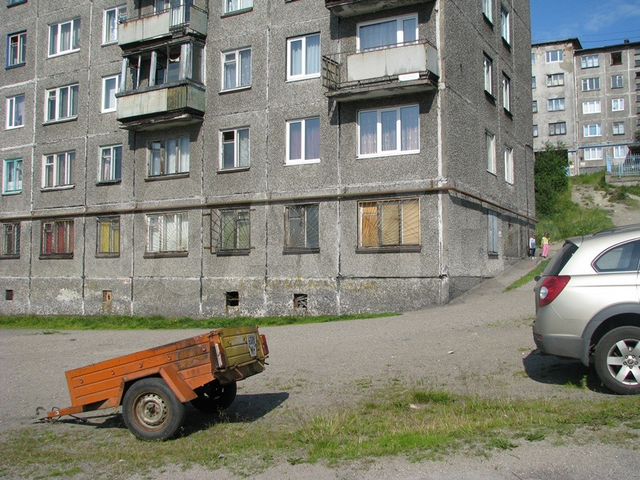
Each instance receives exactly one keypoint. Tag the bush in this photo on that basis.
(551, 179)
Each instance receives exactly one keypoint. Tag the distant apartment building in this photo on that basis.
(241, 157)
(588, 101)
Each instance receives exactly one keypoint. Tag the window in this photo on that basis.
(390, 131)
(618, 128)
(506, 25)
(12, 176)
(167, 233)
(235, 152)
(589, 84)
(616, 58)
(57, 239)
(11, 3)
(488, 74)
(487, 9)
(231, 6)
(16, 49)
(64, 37)
(236, 69)
(110, 23)
(589, 61)
(108, 237)
(235, 230)
(593, 153)
(389, 224)
(558, 128)
(534, 106)
(62, 103)
(490, 140)
(10, 241)
(592, 106)
(387, 33)
(57, 168)
(535, 131)
(506, 92)
(533, 82)
(620, 151)
(617, 104)
(110, 169)
(303, 57)
(110, 86)
(508, 165)
(554, 56)
(160, 6)
(622, 258)
(592, 130)
(169, 157)
(555, 80)
(617, 81)
(15, 112)
(493, 233)
(301, 228)
(303, 141)
(533, 57)
(555, 104)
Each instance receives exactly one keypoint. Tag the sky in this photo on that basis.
(595, 23)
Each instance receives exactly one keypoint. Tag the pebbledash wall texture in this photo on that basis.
(239, 157)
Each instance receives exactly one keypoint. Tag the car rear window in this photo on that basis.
(561, 259)
(622, 258)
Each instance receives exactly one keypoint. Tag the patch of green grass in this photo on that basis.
(529, 276)
(387, 425)
(107, 322)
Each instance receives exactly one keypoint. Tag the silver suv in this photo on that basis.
(588, 306)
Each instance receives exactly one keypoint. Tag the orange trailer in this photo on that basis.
(154, 385)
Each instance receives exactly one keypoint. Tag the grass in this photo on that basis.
(415, 424)
(529, 276)
(108, 322)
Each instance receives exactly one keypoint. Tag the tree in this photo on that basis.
(550, 174)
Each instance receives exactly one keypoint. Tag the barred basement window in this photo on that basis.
(300, 301)
(8, 295)
(231, 231)
(301, 229)
(389, 225)
(10, 240)
(167, 233)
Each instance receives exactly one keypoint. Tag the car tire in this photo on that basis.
(617, 360)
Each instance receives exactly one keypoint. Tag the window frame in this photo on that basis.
(117, 89)
(114, 240)
(559, 56)
(379, 132)
(288, 248)
(119, 11)
(505, 25)
(69, 160)
(554, 126)
(598, 150)
(238, 66)
(590, 61)
(493, 234)
(10, 231)
(557, 104)
(389, 248)
(487, 10)
(487, 71)
(590, 82)
(303, 76)
(67, 250)
(70, 103)
(509, 174)
(617, 104)
(182, 235)
(236, 149)
(624, 148)
(73, 39)
(597, 104)
(555, 79)
(303, 130)
(114, 166)
(399, 19)
(616, 84)
(506, 92)
(490, 145)
(226, 10)
(618, 128)
(589, 127)
(236, 249)
(535, 131)
(21, 50)
(16, 166)
(164, 161)
(10, 121)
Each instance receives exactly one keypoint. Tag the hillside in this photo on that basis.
(623, 212)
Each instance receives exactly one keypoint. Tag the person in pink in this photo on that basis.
(545, 245)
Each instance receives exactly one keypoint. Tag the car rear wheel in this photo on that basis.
(617, 360)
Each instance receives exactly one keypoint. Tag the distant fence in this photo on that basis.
(627, 167)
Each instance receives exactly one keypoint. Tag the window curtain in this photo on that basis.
(369, 231)
(410, 128)
(172, 156)
(65, 37)
(296, 235)
(153, 226)
(117, 158)
(228, 149)
(112, 25)
(74, 101)
(312, 54)
(312, 225)
(156, 159)
(75, 41)
(295, 141)
(244, 228)
(105, 237)
(185, 154)
(61, 166)
(410, 222)
(228, 230)
(243, 147)
(296, 57)
(63, 103)
(48, 239)
(391, 223)
(109, 93)
(245, 68)
(389, 130)
(312, 139)
(18, 115)
(378, 35)
(409, 30)
(106, 165)
(229, 70)
(368, 133)
(53, 39)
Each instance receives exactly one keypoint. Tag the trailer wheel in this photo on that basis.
(214, 397)
(151, 411)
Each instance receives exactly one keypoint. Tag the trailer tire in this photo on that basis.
(151, 411)
(215, 396)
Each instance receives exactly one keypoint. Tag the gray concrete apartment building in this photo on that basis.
(261, 157)
(593, 109)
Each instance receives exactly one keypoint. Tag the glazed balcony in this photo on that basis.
(185, 19)
(384, 72)
(350, 8)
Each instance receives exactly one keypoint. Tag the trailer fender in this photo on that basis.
(176, 383)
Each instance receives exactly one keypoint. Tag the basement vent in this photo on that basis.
(300, 301)
(8, 295)
(232, 299)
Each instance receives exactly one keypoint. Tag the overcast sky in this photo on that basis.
(594, 22)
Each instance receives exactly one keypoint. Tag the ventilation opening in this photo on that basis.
(8, 294)
(107, 296)
(232, 299)
(300, 301)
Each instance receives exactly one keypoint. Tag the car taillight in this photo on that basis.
(551, 288)
(265, 347)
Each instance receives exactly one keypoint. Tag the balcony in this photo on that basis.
(387, 72)
(178, 20)
(350, 8)
(161, 107)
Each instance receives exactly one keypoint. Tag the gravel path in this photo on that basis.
(481, 343)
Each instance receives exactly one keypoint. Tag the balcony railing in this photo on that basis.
(349, 8)
(382, 72)
(184, 17)
(175, 104)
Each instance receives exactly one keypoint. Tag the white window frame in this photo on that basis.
(490, 145)
(112, 167)
(506, 92)
(236, 148)
(72, 39)
(592, 130)
(487, 9)
(536, 132)
(238, 63)
(183, 159)
(533, 82)
(10, 122)
(618, 128)
(620, 151)
(556, 104)
(590, 84)
(591, 106)
(493, 233)
(616, 84)
(555, 126)
(180, 219)
(508, 165)
(15, 166)
(387, 153)
(617, 104)
(399, 30)
(555, 80)
(590, 61)
(505, 26)
(242, 6)
(534, 106)
(304, 75)
(106, 31)
(55, 162)
(554, 56)
(57, 91)
(303, 129)
(487, 67)
(103, 98)
(593, 153)
(22, 49)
